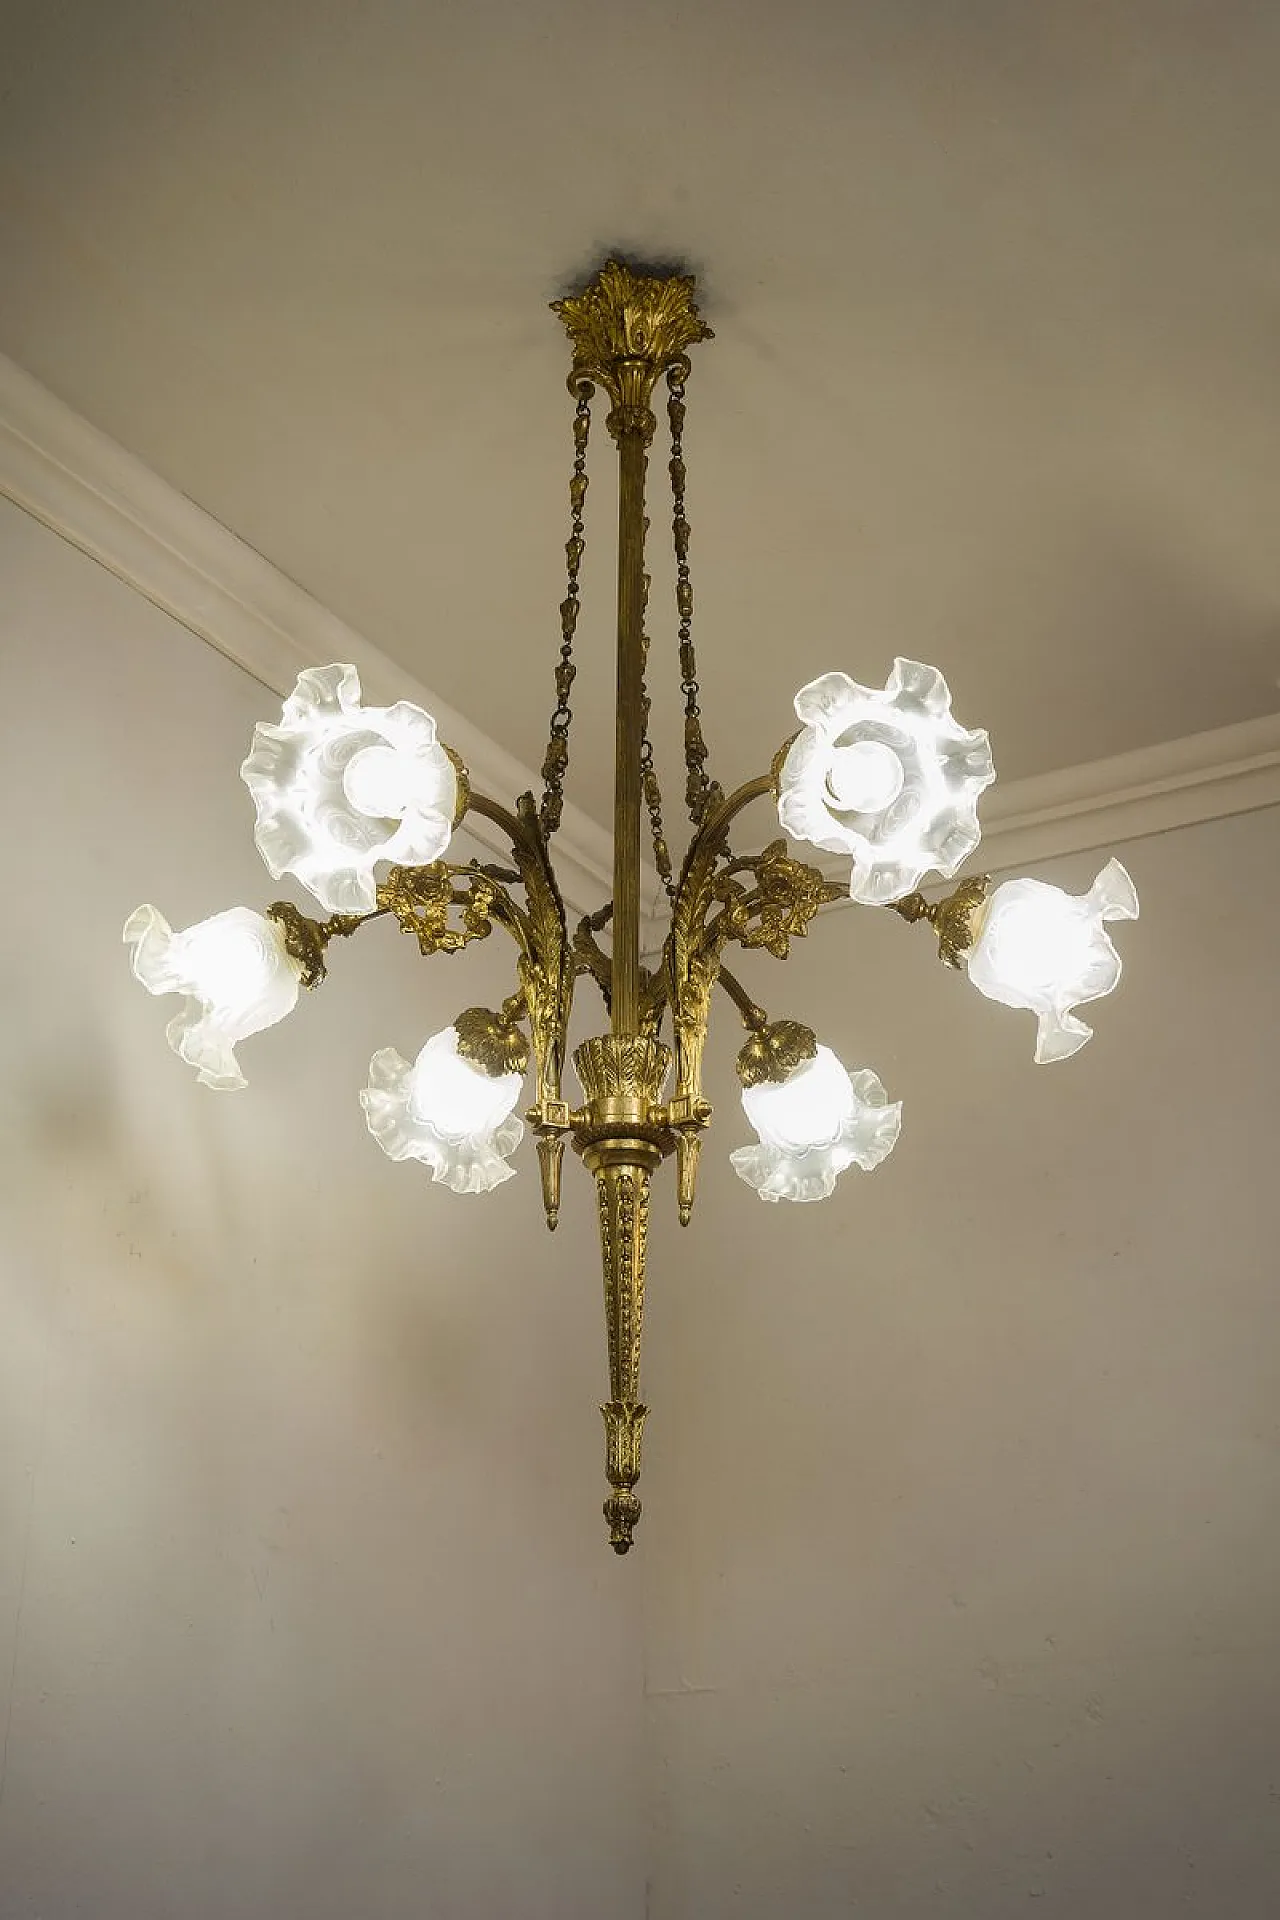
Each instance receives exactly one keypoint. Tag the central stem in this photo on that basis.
(632, 427)
(627, 328)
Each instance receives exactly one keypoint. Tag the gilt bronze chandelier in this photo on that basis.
(359, 804)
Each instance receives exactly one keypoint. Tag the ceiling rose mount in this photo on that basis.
(359, 805)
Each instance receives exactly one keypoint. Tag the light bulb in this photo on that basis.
(455, 1097)
(376, 781)
(864, 778)
(807, 1109)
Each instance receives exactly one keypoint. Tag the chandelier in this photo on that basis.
(359, 805)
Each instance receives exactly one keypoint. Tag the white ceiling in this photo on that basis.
(995, 288)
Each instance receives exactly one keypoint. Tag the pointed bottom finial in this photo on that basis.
(688, 1149)
(624, 1424)
(550, 1158)
(622, 1511)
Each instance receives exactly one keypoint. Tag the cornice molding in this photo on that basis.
(81, 484)
(1104, 803)
(101, 499)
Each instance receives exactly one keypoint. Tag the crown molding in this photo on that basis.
(1103, 803)
(101, 499)
(88, 489)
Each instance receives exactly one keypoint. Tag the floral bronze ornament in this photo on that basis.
(954, 918)
(359, 804)
(774, 1050)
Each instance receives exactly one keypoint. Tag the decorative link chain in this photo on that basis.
(556, 761)
(648, 773)
(700, 792)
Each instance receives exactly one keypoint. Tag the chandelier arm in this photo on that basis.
(711, 835)
(546, 969)
(589, 957)
(690, 963)
(956, 919)
(305, 940)
(501, 817)
(754, 1018)
(779, 907)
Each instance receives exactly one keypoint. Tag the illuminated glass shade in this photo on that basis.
(445, 1111)
(236, 974)
(886, 776)
(1048, 951)
(812, 1125)
(340, 787)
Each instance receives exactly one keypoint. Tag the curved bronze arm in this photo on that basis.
(753, 1017)
(546, 972)
(761, 900)
(712, 834)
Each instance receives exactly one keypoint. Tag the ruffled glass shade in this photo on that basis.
(887, 776)
(1048, 951)
(341, 788)
(236, 974)
(812, 1125)
(445, 1111)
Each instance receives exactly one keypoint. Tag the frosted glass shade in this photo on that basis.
(341, 788)
(236, 974)
(1048, 951)
(445, 1111)
(812, 1125)
(887, 776)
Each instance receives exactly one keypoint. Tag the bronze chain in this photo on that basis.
(649, 778)
(700, 792)
(556, 761)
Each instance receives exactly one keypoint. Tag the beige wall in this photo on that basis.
(959, 1568)
(963, 1571)
(302, 1578)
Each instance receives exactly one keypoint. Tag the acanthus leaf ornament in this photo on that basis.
(359, 804)
(774, 1050)
(627, 328)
